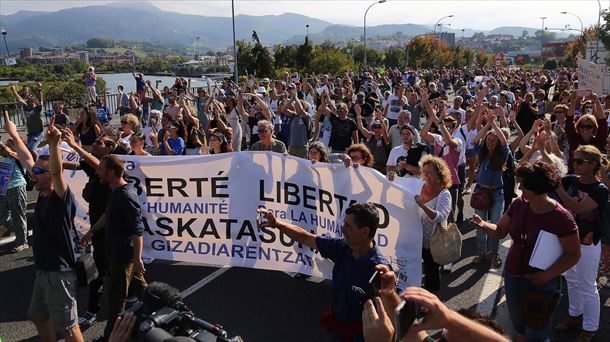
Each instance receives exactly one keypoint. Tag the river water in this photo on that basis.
(129, 83)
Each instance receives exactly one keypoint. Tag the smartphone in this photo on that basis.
(405, 315)
(375, 282)
(583, 92)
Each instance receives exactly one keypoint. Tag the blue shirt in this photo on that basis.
(487, 175)
(351, 288)
(17, 178)
(177, 145)
(124, 221)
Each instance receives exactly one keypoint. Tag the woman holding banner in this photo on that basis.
(434, 201)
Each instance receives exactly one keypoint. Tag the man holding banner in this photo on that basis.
(355, 256)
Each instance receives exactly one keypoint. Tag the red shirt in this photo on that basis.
(523, 221)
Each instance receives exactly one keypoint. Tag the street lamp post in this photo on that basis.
(599, 15)
(434, 34)
(234, 43)
(365, 13)
(8, 54)
(582, 30)
(542, 41)
(307, 28)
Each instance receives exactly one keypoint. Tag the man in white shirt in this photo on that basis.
(457, 108)
(404, 159)
(395, 104)
(394, 132)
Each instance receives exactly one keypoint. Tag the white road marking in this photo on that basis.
(492, 282)
(198, 285)
(9, 239)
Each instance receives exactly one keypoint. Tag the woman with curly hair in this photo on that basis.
(434, 202)
(317, 152)
(361, 155)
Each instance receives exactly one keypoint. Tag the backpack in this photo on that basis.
(29, 181)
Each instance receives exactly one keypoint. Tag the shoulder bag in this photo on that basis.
(86, 269)
(445, 242)
(482, 199)
(29, 182)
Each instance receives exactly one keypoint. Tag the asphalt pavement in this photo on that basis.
(261, 305)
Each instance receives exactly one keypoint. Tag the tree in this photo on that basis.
(395, 57)
(96, 43)
(330, 60)
(482, 58)
(421, 48)
(304, 55)
(524, 34)
(374, 57)
(284, 56)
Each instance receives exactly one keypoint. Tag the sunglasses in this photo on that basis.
(355, 157)
(38, 170)
(586, 126)
(124, 122)
(558, 112)
(579, 161)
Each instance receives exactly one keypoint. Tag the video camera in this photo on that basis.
(162, 316)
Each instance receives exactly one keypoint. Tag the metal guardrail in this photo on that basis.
(17, 116)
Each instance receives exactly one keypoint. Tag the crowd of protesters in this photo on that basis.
(463, 132)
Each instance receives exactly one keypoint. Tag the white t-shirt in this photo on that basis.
(395, 108)
(470, 135)
(461, 145)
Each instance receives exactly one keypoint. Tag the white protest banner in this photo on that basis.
(591, 76)
(203, 209)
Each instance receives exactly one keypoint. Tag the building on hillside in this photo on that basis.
(83, 55)
(58, 51)
(554, 50)
(26, 53)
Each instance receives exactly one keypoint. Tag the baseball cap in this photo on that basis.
(261, 90)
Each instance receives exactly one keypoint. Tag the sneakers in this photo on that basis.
(569, 324)
(448, 267)
(467, 190)
(87, 320)
(20, 248)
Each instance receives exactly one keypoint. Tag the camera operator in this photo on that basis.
(355, 257)
(379, 327)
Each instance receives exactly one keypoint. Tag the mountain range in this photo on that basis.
(143, 21)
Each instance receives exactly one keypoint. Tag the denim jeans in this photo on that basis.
(514, 287)
(34, 139)
(12, 213)
(487, 244)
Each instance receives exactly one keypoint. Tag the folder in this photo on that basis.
(546, 251)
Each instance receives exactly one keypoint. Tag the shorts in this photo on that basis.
(472, 152)
(54, 296)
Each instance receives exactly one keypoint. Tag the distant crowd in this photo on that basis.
(525, 149)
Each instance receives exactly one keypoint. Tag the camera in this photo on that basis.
(162, 316)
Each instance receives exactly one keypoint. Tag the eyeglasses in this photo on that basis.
(124, 122)
(355, 157)
(584, 126)
(38, 170)
(263, 130)
(579, 161)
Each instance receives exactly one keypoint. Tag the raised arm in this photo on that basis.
(89, 158)
(60, 186)
(18, 97)
(25, 157)
(365, 132)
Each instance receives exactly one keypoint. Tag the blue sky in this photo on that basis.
(475, 14)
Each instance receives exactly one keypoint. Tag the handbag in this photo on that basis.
(482, 199)
(29, 182)
(446, 243)
(86, 269)
(536, 307)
